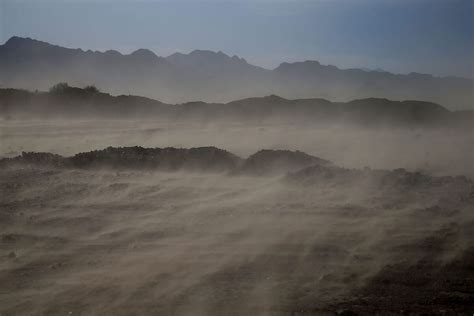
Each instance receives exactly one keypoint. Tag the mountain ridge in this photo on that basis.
(63, 101)
(234, 57)
(214, 76)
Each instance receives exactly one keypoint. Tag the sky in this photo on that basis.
(401, 36)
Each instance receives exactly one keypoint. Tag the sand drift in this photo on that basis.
(201, 231)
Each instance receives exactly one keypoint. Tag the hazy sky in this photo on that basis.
(430, 36)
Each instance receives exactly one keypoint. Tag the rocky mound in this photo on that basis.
(279, 161)
(36, 159)
(299, 167)
(201, 158)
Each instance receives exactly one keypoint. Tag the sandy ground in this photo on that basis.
(175, 243)
(78, 242)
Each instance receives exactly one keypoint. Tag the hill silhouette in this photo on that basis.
(214, 77)
(200, 158)
(64, 101)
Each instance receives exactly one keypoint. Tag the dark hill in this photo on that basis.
(71, 102)
(200, 159)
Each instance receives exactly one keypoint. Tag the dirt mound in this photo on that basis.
(279, 161)
(201, 158)
(299, 167)
(35, 158)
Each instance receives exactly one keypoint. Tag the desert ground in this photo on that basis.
(150, 242)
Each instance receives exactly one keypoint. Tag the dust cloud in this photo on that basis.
(438, 151)
(317, 241)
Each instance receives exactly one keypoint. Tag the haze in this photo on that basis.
(164, 172)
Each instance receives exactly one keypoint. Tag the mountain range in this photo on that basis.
(214, 77)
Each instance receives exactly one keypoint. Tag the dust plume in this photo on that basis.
(114, 238)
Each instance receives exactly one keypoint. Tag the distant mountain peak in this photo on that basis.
(112, 51)
(304, 65)
(25, 46)
(210, 62)
(144, 54)
(377, 69)
(206, 55)
(237, 58)
(16, 41)
(200, 52)
(274, 97)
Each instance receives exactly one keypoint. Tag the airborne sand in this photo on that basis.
(198, 243)
(439, 151)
